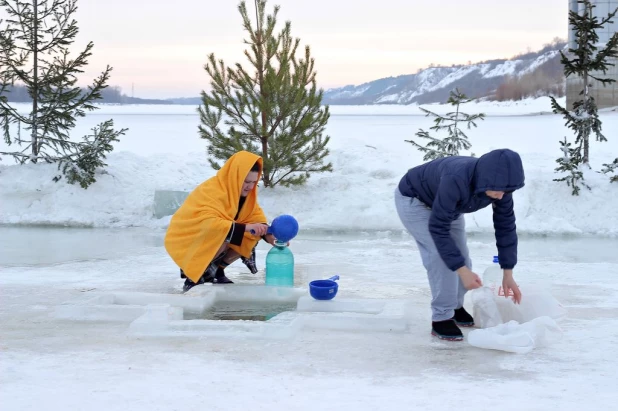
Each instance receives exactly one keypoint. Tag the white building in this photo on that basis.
(605, 96)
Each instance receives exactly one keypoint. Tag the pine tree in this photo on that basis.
(456, 140)
(34, 52)
(611, 168)
(586, 61)
(570, 163)
(274, 110)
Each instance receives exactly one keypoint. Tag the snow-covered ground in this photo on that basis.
(162, 151)
(106, 239)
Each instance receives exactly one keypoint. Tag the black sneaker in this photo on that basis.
(188, 285)
(250, 262)
(446, 330)
(462, 318)
(206, 278)
(209, 272)
(220, 278)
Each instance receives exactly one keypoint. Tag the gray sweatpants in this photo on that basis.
(447, 290)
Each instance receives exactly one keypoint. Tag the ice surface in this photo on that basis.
(307, 303)
(348, 227)
(109, 364)
(166, 202)
(165, 314)
(197, 300)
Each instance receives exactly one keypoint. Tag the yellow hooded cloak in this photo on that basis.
(200, 226)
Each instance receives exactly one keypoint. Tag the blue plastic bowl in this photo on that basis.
(323, 289)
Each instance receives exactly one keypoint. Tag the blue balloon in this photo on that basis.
(284, 228)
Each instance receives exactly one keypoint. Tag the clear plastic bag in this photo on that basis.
(515, 337)
(535, 302)
(491, 307)
(484, 308)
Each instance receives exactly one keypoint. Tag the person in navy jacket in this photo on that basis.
(431, 200)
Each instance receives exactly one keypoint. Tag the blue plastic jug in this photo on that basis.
(280, 266)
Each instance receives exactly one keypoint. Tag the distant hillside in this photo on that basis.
(112, 95)
(526, 75)
(193, 101)
(530, 74)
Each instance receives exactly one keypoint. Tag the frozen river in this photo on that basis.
(71, 364)
(35, 245)
(58, 364)
(384, 264)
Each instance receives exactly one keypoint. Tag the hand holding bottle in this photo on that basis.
(258, 229)
(510, 286)
(270, 239)
(470, 279)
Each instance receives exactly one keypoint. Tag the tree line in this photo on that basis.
(270, 106)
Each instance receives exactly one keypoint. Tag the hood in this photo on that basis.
(499, 170)
(233, 173)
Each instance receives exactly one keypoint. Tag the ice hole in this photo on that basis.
(242, 310)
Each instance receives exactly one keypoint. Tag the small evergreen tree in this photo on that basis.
(34, 52)
(570, 163)
(611, 168)
(586, 61)
(274, 110)
(456, 140)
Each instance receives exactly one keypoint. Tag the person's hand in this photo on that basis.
(270, 239)
(257, 229)
(470, 279)
(509, 285)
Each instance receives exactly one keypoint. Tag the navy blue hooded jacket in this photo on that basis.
(454, 185)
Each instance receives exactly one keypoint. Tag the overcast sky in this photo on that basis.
(160, 46)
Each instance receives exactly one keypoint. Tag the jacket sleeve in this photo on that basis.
(452, 190)
(506, 233)
(236, 233)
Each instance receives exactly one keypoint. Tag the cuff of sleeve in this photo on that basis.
(457, 266)
(237, 234)
(507, 266)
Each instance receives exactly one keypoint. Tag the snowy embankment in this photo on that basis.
(368, 159)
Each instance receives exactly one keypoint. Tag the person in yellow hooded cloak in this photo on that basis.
(219, 222)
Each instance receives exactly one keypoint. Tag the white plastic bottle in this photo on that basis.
(492, 276)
